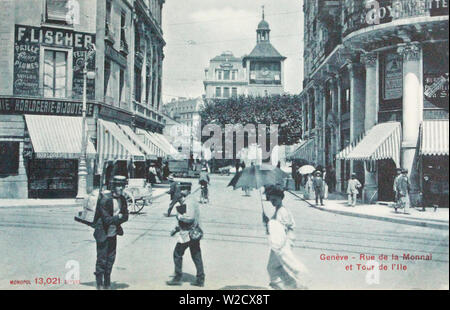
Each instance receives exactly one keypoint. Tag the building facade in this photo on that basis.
(225, 77)
(375, 92)
(260, 73)
(183, 124)
(44, 47)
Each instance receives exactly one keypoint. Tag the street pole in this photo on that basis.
(82, 167)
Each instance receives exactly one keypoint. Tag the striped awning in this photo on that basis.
(171, 149)
(152, 142)
(382, 141)
(434, 138)
(305, 151)
(113, 144)
(149, 153)
(57, 137)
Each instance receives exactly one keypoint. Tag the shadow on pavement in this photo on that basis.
(242, 287)
(114, 285)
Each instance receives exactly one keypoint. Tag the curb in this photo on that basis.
(379, 218)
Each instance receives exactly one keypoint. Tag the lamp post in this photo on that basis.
(82, 167)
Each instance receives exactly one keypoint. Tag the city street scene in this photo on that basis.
(224, 145)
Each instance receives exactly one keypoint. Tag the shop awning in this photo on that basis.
(170, 148)
(152, 142)
(113, 144)
(57, 137)
(149, 153)
(382, 141)
(434, 138)
(305, 151)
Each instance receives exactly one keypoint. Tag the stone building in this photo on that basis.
(375, 92)
(260, 73)
(43, 48)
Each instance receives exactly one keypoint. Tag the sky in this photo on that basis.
(197, 30)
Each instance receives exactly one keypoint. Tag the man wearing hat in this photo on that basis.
(110, 213)
(352, 190)
(402, 189)
(319, 187)
(175, 194)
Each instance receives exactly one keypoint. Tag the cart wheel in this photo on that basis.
(138, 206)
(130, 202)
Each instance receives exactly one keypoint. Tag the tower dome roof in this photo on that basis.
(263, 25)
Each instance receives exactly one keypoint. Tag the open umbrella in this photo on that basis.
(306, 169)
(255, 177)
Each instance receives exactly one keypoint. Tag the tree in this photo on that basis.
(283, 110)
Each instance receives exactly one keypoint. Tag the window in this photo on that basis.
(9, 158)
(108, 25)
(226, 92)
(137, 84)
(107, 75)
(233, 75)
(226, 74)
(234, 92)
(313, 114)
(56, 11)
(121, 84)
(123, 39)
(345, 103)
(219, 74)
(55, 74)
(218, 92)
(147, 87)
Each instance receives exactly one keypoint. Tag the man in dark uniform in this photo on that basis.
(110, 213)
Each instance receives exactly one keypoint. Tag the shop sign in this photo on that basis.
(436, 88)
(43, 106)
(393, 77)
(115, 56)
(378, 12)
(28, 41)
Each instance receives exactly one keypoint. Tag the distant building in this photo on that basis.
(258, 73)
(225, 77)
(183, 123)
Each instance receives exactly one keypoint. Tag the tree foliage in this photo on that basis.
(284, 110)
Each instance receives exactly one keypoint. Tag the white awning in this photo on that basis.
(57, 136)
(149, 153)
(382, 141)
(305, 151)
(113, 144)
(152, 142)
(434, 138)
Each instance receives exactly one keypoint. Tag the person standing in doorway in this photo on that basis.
(110, 213)
(353, 190)
(399, 174)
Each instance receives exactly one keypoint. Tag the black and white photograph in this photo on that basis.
(238, 146)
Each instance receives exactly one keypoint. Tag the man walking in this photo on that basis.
(319, 187)
(352, 190)
(110, 213)
(403, 188)
(188, 218)
(399, 174)
(175, 194)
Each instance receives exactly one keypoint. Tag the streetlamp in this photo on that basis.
(82, 168)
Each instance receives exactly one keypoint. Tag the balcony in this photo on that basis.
(124, 47)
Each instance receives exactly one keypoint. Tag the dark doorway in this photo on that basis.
(386, 176)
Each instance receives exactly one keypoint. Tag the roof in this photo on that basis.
(263, 25)
(226, 56)
(264, 50)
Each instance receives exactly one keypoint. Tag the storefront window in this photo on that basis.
(9, 158)
(55, 74)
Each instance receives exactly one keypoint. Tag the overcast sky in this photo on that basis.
(197, 30)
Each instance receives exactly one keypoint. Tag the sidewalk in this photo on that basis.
(384, 212)
(52, 203)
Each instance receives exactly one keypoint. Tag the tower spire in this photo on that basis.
(262, 11)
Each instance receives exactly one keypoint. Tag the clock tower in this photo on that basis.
(264, 65)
